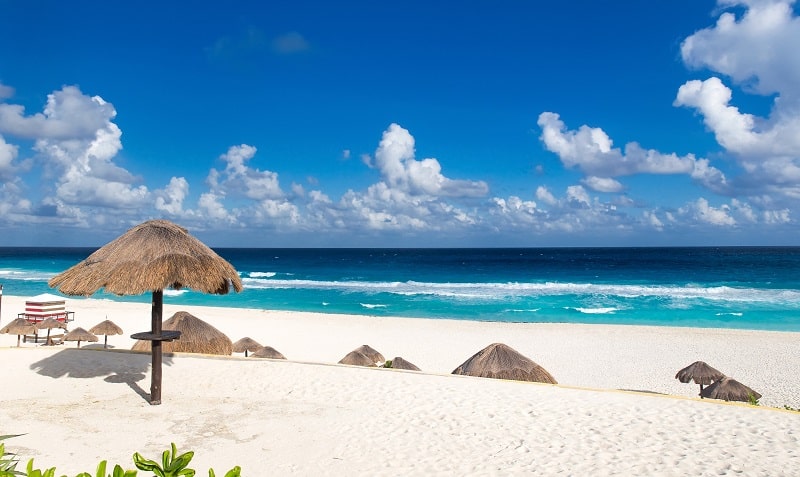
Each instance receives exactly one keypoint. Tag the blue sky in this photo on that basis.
(385, 124)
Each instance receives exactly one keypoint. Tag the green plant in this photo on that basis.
(388, 363)
(117, 472)
(8, 460)
(174, 465)
(752, 400)
(790, 408)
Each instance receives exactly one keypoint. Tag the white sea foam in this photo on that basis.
(174, 292)
(371, 305)
(262, 274)
(593, 311)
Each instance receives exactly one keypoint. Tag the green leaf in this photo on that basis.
(148, 465)
(180, 462)
(235, 472)
(101, 469)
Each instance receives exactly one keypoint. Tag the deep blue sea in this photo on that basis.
(717, 287)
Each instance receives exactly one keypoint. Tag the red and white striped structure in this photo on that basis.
(41, 307)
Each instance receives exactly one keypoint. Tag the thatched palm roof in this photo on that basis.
(79, 334)
(700, 373)
(154, 255)
(400, 363)
(357, 358)
(729, 389)
(197, 336)
(501, 361)
(19, 326)
(106, 327)
(267, 352)
(246, 344)
(370, 353)
(50, 323)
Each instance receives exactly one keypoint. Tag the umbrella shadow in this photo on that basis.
(127, 368)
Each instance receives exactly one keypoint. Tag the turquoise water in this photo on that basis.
(728, 287)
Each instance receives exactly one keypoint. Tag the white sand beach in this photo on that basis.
(309, 416)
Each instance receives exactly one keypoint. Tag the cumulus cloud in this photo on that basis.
(602, 184)
(170, 199)
(703, 212)
(238, 179)
(395, 159)
(757, 52)
(591, 151)
(8, 154)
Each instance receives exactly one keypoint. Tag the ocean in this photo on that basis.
(711, 287)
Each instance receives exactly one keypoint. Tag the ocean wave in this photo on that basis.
(262, 274)
(592, 311)
(676, 295)
(174, 292)
(371, 306)
(26, 275)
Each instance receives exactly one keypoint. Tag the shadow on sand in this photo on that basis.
(117, 367)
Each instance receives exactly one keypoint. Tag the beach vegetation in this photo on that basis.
(752, 399)
(387, 364)
(172, 465)
(8, 460)
(790, 408)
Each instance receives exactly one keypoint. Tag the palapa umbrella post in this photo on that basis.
(155, 383)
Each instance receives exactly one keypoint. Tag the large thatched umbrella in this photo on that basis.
(370, 353)
(48, 324)
(400, 363)
(501, 361)
(105, 328)
(19, 326)
(699, 372)
(267, 352)
(730, 389)
(357, 358)
(152, 256)
(246, 344)
(79, 334)
(197, 336)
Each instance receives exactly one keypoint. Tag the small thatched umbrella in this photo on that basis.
(152, 256)
(699, 372)
(501, 361)
(730, 389)
(106, 328)
(79, 334)
(48, 324)
(197, 336)
(246, 344)
(400, 363)
(370, 353)
(19, 327)
(357, 358)
(267, 352)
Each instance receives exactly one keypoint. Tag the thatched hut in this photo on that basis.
(267, 352)
(370, 353)
(79, 334)
(699, 372)
(729, 389)
(197, 336)
(48, 324)
(400, 363)
(105, 328)
(501, 361)
(19, 327)
(245, 345)
(357, 358)
(151, 257)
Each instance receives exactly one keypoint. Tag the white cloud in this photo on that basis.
(704, 212)
(68, 115)
(602, 184)
(238, 179)
(170, 199)
(8, 154)
(394, 158)
(544, 194)
(210, 206)
(591, 151)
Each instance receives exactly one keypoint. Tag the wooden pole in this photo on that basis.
(155, 382)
